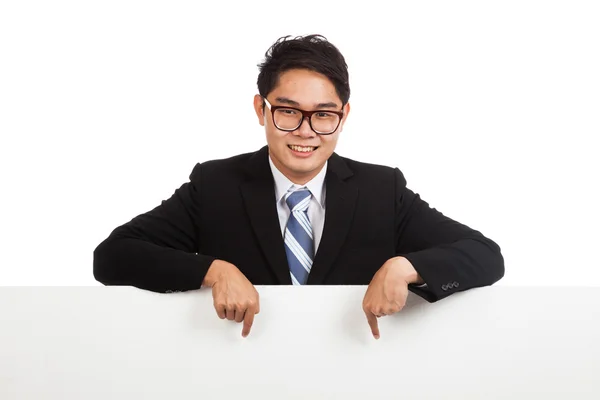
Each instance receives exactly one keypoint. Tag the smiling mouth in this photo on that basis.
(303, 149)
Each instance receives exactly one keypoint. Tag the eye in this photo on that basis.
(287, 111)
(325, 115)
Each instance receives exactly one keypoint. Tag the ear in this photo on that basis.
(259, 109)
(346, 110)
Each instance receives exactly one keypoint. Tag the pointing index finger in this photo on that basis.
(248, 321)
(372, 320)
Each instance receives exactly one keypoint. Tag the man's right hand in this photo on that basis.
(234, 297)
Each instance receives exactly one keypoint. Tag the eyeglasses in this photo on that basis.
(288, 119)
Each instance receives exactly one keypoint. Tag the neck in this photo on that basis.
(298, 179)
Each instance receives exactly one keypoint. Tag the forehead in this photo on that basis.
(305, 87)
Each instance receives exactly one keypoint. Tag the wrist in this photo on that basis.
(408, 271)
(213, 274)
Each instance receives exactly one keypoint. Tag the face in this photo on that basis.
(304, 90)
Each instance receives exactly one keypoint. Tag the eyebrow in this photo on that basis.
(291, 102)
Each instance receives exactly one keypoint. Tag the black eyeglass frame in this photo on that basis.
(305, 114)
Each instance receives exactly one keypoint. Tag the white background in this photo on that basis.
(491, 110)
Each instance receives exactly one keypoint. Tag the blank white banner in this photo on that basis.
(310, 342)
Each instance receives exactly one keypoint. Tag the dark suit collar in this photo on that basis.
(258, 164)
(259, 196)
(338, 166)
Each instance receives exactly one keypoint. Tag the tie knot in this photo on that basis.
(298, 200)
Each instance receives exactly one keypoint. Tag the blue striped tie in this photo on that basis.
(298, 237)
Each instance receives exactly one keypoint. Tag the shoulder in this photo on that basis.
(361, 166)
(222, 167)
(370, 175)
(372, 172)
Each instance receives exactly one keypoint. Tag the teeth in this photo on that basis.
(302, 149)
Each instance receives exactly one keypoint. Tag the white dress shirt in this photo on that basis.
(316, 209)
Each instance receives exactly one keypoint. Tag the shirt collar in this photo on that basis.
(282, 183)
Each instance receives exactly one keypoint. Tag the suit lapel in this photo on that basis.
(259, 198)
(340, 202)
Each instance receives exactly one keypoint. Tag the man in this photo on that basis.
(295, 212)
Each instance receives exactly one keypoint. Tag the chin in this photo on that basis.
(305, 166)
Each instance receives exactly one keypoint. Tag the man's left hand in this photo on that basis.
(388, 290)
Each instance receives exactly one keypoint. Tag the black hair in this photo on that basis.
(311, 52)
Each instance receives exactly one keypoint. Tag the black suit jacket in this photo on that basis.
(227, 211)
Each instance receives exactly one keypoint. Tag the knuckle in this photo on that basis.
(219, 303)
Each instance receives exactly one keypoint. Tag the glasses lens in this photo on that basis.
(287, 118)
(324, 122)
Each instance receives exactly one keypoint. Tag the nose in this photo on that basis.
(304, 129)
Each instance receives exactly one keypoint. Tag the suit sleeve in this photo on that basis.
(449, 256)
(158, 250)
